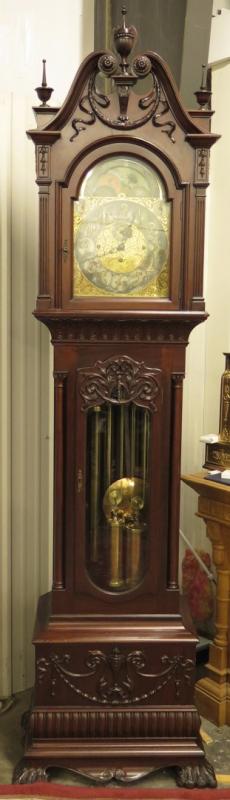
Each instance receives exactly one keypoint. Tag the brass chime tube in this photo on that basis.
(95, 456)
(121, 441)
(133, 441)
(116, 555)
(133, 554)
(108, 444)
(144, 449)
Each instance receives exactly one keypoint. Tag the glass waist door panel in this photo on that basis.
(117, 486)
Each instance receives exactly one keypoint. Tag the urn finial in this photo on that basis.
(203, 94)
(44, 92)
(124, 37)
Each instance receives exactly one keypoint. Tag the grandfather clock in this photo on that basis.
(122, 178)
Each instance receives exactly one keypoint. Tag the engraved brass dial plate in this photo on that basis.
(121, 231)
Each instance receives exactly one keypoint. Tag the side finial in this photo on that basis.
(44, 81)
(44, 92)
(203, 94)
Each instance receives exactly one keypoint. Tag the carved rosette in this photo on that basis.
(121, 381)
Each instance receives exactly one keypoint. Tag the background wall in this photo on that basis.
(177, 29)
(205, 362)
(28, 32)
(26, 402)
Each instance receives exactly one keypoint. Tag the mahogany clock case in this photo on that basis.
(120, 289)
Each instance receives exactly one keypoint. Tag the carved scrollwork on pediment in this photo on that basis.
(154, 106)
(125, 74)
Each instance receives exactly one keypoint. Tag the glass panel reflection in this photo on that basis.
(121, 228)
(117, 494)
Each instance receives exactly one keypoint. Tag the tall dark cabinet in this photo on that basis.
(122, 179)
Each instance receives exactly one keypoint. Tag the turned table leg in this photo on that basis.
(213, 691)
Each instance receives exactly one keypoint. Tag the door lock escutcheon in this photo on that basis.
(79, 481)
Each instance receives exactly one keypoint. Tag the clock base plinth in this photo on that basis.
(190, 776)
(112, 707)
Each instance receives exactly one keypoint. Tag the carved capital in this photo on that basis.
(177, 379)
(59, 378)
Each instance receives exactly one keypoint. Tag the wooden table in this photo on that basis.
(213, 691)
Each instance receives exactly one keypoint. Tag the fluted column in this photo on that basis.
(174, 506)
(58, 551)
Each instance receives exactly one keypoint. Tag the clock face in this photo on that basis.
(121, 231)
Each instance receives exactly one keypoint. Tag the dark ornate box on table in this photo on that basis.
(217, 455)
(122, 180)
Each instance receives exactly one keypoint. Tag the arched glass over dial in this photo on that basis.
(121, 231)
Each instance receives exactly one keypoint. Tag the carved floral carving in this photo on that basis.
(43, 161)
(120, 381)
(116, 675)
(202, 165)
(96, 104)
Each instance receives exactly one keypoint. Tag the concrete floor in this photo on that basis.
(11, 750)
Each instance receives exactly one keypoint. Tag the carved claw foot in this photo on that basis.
(199, 776)
(23, 774)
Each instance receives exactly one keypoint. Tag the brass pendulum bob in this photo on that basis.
(114, 514)
(116, 550)
(123, 501)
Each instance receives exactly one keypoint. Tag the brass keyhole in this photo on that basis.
(65, 250)
(79, 481)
